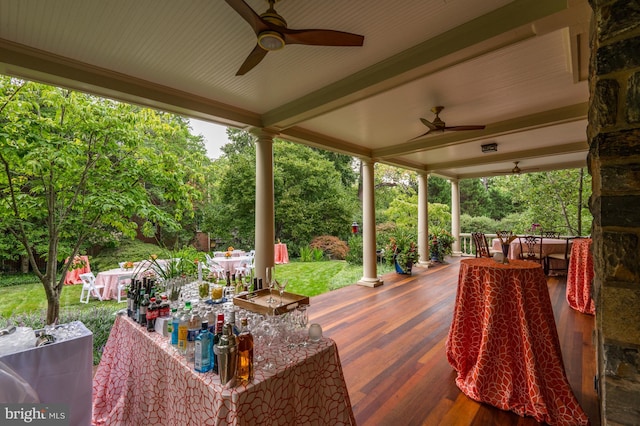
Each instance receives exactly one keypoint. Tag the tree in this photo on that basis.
(309, 194)
(76, 169)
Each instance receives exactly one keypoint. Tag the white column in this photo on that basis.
(455, 216)
(423, 220)
(265, 217)
(369, 265)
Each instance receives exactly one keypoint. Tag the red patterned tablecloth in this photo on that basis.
(73, 275)
(504, 345)
(580, 277)
(141, 381)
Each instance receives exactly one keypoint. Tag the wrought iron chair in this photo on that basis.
(482, 246)
(531, 249)
(550, 234)
(562, 258)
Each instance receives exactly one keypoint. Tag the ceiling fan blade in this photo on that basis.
(429, 124)
(248, 14)
(254, 58)
(456, 128)
(418, 137)
(321, 37)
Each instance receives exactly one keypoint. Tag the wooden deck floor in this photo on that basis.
(391, 341)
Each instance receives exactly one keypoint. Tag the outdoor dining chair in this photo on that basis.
(482, 246)
(550, 234)
(89, 287)
(531, 249)
(560, 258)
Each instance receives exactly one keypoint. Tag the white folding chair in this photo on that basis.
(123, 281)
(215, 268)
(244, 268)
(89, 287)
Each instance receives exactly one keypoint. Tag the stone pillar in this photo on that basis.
(265, 217)
(614, 163)
(455, 216)
(423, 220)
(369, 258)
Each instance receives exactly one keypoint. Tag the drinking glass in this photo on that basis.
(281, 285)
(303, 319)
(270, 277)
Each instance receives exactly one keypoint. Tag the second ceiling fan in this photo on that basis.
(438, 125)
(272, 33)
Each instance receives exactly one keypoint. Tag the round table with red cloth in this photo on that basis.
(142, 380)
(280, 254)
(78, 267)
(580, 277)
(504, 345)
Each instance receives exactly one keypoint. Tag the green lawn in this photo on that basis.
(306, 278)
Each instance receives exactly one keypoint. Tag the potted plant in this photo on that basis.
(440, 244)
(405, 251)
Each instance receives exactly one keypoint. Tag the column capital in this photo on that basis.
(263, 133)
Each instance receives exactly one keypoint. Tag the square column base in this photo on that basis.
(370, 282)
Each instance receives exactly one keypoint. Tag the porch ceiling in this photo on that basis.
(519, 67)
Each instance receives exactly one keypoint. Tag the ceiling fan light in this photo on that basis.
(270, 40)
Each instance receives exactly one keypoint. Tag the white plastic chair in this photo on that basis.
(214, 267)
(245, 267)
(89, 287)
(123, 281)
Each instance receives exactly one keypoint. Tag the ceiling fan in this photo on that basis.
(273, 34)
(517, 170)
(438, 125)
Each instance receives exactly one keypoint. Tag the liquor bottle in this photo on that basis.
(152, 314)
(174, 323)
(130, 300)
(245, 353)
(203, 357)
(195, 322)
(230, 318)
(216, 339)
(142, 309)
(183, 328)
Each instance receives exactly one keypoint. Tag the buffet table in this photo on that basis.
(73, 275)
(142, 380)
(60, 373)
(580, 277)
(504, 345)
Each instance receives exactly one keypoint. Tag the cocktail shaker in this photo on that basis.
(226, 351)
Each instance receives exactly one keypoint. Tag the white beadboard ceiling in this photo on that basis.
(518, 67)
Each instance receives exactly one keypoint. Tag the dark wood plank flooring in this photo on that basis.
(391, 341)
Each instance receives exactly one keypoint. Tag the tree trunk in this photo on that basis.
(24, 264)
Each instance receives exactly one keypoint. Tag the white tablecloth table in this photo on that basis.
(60, 373)
(230, 263)
(110, 281)
(549, 245)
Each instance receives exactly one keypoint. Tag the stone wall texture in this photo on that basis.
(614, 163)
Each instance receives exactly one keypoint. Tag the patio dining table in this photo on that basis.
(73, 274)
(230, 263)
(109, 279)
(549, 245)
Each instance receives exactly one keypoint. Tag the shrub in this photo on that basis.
(305, 254)
(97, 319)
(333, 247)
(354, 255)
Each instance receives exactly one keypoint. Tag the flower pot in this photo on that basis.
(405, 270)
